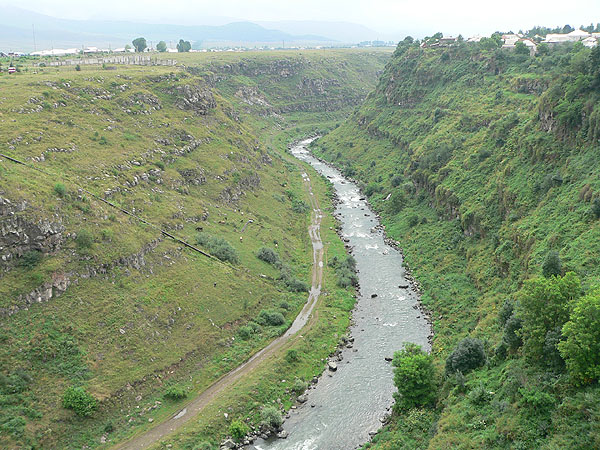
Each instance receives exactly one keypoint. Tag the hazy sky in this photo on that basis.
(397, 17)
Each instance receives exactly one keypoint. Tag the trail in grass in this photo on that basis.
(192, 409)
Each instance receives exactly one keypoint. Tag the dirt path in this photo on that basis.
(192, 409)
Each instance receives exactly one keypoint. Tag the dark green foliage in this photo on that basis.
(552, 265)
(296, 285)
(396, 202)
(30, 259)
(580, 347)
(469, 354)
(291, 356)
(79, 400)
(544, 306)
(219, 247)
(139, 44)
(300, 207)
(60, 189)
(372, 188)
(396, 180)
(414, 376)
(271, 417)
(413, 220)
(161, 46)
(345, 271)
(596, 208)
(268, 255)
(270, 318)
(183, 46)
(176, 392)
(511, 335)
(238, 430)
(78, 68)
(506, 312)
(299, 386)
(84, 240)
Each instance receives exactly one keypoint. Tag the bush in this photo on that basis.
(345, 271)
(30, 259)
(60, 189)
(396, 202)
(80, 401)
(176, 392)
(552, 265)
(413, 220)
(271, 318)
(581, 345)
(298, 206)
(299, 386)
(271, 417)
(414, 376)
(84, 239)
(218, 247)
(296, 285)
(292, 356)
(468, 355)
(238, 430)
(596, 208)
(268, 255)
(78, 68)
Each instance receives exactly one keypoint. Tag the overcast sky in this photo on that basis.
(392, 17)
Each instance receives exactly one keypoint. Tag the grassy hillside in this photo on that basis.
(483, 163)
(94, 297)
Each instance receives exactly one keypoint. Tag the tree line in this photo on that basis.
(140, 44)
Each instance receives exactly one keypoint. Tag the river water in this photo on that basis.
(343, 408)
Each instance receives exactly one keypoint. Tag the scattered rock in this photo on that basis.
(282, 435)
(332, 366)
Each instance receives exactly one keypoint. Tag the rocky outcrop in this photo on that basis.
(232, 194)
(192, 176)
(194, 98)
(20, 233)
(62, 280)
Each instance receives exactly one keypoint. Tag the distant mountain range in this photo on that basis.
(18, 27)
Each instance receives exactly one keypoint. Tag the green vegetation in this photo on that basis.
(238, 430)
(483, 163)
(271, 417)
(139, 44)
(161, 46)
(219, 247)
(183, 46)
(80, 401)
(414, 376)
(141, 310)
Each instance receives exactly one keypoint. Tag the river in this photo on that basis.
(346, 405)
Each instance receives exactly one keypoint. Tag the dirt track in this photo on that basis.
(193, 408)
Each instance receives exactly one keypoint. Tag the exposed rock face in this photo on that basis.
(251, 96)
(194, 98)
(192, 176)
(19, 234)
(233, 193)
(61, 281)
(316, 85)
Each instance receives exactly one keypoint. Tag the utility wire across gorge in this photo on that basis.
(124, 211)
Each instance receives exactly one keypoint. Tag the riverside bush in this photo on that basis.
(270, 318)
(238, 430)
(218, 247)
(176, 392)
(414, 376)
(271, 417)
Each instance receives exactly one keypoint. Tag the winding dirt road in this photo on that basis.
(192, 409)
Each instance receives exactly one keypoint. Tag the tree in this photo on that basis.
(468, 355)
(161, 46)
(521, 49)
(552, 265)
(271, 417)
(238, 430)
(580, 347)
(414, 376)
(183, 46)
(139, 44)
(544, 306)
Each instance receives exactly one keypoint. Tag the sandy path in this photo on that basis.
(192, 409)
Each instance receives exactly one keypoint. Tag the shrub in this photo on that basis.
(345, 271)
(271, 417)
(596, 208)
(299, 386)
(468, 355)
(581, 345)
(218, 247)
(413, 220)
(511, 335)
(506, 311)
(296, 285)
(238, 430)
(84, 239)
(30, 259)
(298, 206)
(414, 376)
(78, 68)
(245, 332)
(292, 356)
(176, 392)
(552, 265)
(396, 202)
(479, 395)
(268, 255)
(80, 401)
(271, 318)
(60, 189)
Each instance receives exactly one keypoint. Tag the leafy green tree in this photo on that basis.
(139, 44)
(552, 265)
(581, 345)
(161, 46)
(84, 239)
(544, 306)
(521, 49)
(183, 46)
(271, 417)
(79, 400)
(414, 376)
